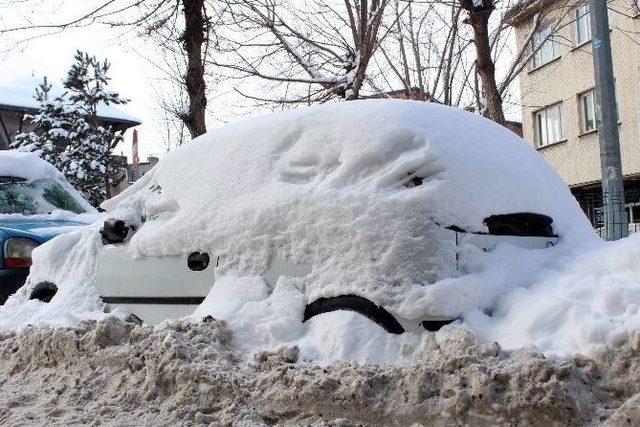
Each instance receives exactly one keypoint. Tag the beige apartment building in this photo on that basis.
(558, 100)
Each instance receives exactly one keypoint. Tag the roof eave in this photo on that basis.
(524, 10)
(111, 120)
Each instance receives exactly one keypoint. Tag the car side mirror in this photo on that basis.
(114, 231)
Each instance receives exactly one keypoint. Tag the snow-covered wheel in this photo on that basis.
(358, 304)
(44, 291)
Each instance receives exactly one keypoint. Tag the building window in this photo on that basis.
(587, 109)
(132, 176)
(549, 125)
(633, 215)
(545, 46)
(583, 25)
(587, 105)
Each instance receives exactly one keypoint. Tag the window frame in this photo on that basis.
(592, 90)
(537, 59)
(562, 136)
(582, 110)
(582, 12)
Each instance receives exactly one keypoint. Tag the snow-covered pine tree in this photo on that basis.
(53, 127)
(88, 164)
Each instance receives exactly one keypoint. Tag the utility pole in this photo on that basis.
(615, 216)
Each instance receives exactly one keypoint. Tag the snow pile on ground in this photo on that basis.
(586, 301)
(325, 188)
(118, 372)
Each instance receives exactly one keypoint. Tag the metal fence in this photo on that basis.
(592, 203)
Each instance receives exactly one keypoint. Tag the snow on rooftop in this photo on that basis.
(23, 97)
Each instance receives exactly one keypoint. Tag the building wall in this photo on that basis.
(577, 159)
(128, 174)
(11, 124)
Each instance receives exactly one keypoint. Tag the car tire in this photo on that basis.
(44, 291)
(358, 304)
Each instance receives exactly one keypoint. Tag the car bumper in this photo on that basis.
(11, 279)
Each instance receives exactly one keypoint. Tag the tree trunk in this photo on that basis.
(193, 39)
(479, 21)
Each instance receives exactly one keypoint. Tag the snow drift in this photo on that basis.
(362, 192)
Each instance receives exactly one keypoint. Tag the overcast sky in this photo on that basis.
(52, 56)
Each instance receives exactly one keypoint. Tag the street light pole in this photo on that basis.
(615, 216)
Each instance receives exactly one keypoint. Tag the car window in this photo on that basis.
(30, 197)
(60, 198)
(14, 200)
(520, 224)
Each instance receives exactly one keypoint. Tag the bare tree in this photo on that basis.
(440, 51)
(479, 13)
(310, 55)
(181, 28)
(489, 43)
(426, 52)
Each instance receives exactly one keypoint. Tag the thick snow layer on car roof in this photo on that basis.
(26, 165)
(472, 168)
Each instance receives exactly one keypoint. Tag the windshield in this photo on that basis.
(31, 197)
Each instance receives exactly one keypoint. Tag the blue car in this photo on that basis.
(36, 204)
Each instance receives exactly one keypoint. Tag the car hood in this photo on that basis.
(40, 230)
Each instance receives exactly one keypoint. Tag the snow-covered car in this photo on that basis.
(365, 206)
(30, 191)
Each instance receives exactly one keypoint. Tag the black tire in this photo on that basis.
(358, 304)
(435, 325)
(44, 291)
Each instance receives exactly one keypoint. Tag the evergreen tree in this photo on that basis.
(53, 127)
(88, 164)
(67, 132)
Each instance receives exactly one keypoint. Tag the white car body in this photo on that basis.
(156, 289)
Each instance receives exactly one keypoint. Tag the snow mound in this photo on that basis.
(117, 372)
(586, 301)
(68, 260)
(336, 187)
